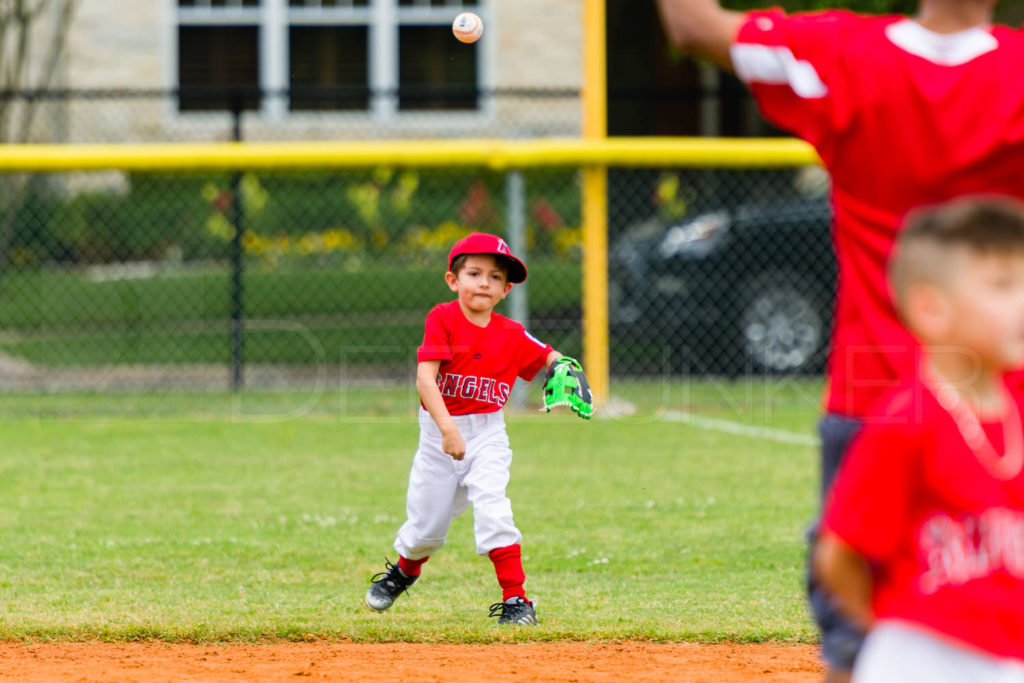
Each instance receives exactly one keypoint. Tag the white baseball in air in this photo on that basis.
(468, 27)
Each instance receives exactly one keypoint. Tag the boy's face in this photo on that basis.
(985, 313)
(480, 283)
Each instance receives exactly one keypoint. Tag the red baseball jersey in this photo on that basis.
(901, 117)
(479, 365)
(944, 538)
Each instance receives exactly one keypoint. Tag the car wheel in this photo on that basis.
(782, 324)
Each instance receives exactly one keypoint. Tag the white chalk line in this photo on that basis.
(713, 424)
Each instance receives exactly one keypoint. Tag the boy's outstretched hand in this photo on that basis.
(566, 385)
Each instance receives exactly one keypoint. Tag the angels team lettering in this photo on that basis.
(956, 551)
(472, 387)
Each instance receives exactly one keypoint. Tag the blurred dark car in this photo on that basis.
(742, 289)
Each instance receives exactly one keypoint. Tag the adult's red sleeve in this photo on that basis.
(792, 66)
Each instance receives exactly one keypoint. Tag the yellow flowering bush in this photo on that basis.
(389, 215)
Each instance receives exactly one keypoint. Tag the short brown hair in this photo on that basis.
(459, 262)
(980, 225)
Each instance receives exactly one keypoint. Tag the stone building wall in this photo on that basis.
(123, 44)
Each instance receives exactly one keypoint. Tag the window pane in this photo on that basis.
(212, 60)
(219, 3)
(435, 70)
(328, 67)
(328, 3)
(437, 3)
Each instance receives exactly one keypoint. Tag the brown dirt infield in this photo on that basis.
(557, 662)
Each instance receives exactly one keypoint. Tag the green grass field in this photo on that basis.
(210, 517)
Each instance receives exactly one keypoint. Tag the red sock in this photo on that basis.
(411, 567)
(508, 565)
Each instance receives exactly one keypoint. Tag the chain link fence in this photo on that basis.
(217, 114)
(135, 281)
(720, 272)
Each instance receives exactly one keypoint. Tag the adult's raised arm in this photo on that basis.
(701, 28)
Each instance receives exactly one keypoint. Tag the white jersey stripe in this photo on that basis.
(776, 65)
(536, 341)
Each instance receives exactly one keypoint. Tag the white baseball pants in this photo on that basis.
(441, 488)
(895, 652)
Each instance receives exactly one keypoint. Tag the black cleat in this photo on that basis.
(515, 610)
(387, 586)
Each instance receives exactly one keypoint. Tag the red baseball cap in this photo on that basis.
(485, 243)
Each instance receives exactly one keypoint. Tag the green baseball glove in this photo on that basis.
(566, 385)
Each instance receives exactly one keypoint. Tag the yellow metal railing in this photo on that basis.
(492, 154)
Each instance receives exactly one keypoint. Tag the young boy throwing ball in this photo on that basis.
(923, 534)
(467, 365)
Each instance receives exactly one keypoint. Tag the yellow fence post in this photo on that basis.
(595, 204)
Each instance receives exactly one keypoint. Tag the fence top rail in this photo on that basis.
(492, 154)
